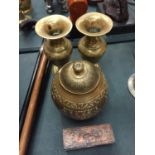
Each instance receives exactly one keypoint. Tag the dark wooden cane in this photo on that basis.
(25, 133)
(28, 94)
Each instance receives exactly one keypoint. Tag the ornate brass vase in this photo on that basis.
(93, 25)
(53, 29)
(79, 89)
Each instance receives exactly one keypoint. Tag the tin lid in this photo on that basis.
(79, 77)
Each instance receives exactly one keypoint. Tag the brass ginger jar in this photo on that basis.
(79, 89)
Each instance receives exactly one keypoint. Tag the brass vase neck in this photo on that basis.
(56, 43)
(92, 42)
(58, 50)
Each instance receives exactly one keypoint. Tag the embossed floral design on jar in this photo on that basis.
(79, 89)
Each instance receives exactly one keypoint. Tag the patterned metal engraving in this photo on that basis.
(88, 136)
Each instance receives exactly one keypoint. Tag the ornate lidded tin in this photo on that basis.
(79, 89)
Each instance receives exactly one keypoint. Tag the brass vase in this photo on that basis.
(79, 89)
(93, 25)
(57, 48)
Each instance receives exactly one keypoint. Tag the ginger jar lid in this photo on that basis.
(79, 77)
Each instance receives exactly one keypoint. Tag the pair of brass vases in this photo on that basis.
(79, 88)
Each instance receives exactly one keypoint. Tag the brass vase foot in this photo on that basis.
(53, 29)
(93, 25)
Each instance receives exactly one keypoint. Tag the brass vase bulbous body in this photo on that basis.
(93, 25)
(79, 90)
(53, 29)
(58, 51)
(92, 48)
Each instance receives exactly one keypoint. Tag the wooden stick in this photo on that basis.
(25, 134)
(28, 94)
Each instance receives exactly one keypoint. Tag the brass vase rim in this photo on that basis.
(59, 22)
(102, 22)
(77, 84)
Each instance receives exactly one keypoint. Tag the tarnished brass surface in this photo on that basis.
(53, 29)
(79, 77)
(79, 89)
(93, 25)
(92, 48)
